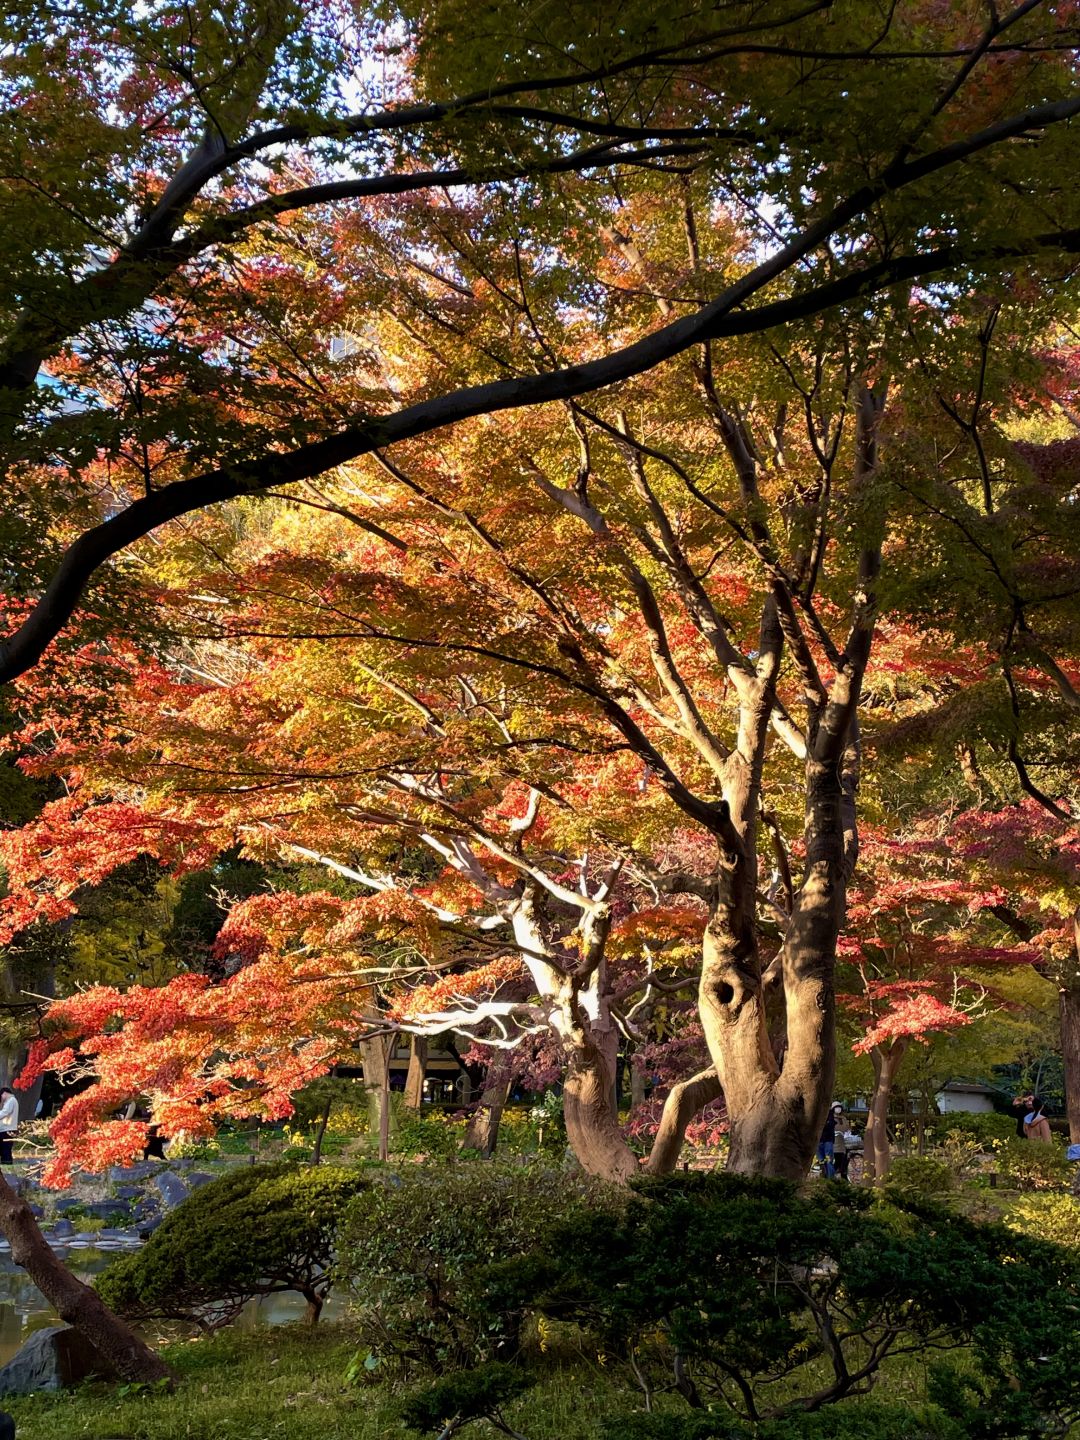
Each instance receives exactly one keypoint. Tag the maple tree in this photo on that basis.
(572, 636)
(923, 955)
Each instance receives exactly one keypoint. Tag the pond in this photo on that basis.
(23, 1308)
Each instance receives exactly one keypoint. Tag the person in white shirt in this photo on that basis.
(9, 1123)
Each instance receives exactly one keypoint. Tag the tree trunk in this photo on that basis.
(320, 1133)
(375, 1058)
(414, 1081)
(482, 1131)
(637, 1085)
(592, 1122)
(74, 1302)
(581, 1017)
(1069, 982)
(683, 1102)
(876, 1150)
(776, 1114)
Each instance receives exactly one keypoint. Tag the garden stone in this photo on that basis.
(67, 1202)
(7, 1427)
(171, 1188)
(63, 1228)
(197, 1178)
(120, 1174)
(38, 1214)
(129, 1192)
(52, 1359)
(147, 1228)
(103, 1209)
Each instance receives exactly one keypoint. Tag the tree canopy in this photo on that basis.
(558, 478)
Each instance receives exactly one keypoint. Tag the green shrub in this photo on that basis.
(258, 1230)
(429, 1133)
(1047, 1217)
(467, 1395)
(726, 1287)
(671, 1427)
(920, 1175)
(860, 1421)
(1033, 1164)
(413, 1245)
(986, 1127)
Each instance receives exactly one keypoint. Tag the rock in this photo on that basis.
(52, 1359)
(124, 1174)
(105, 1209)
(38, 1214)
(171, 1189)
(197, 1178)
(7, 1427)
(62, 1229)
(147, 1228)
(129, 1192)
(67, 1202)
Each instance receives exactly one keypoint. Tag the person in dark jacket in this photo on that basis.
(827, 1145)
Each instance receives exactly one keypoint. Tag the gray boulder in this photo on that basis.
(124, 1174)
(52, 1359)
(197, 1178)
(63, 1228)
(7, 1427)
(171, 1188)
(67, 1202)
(104, 1209)
(147, 1228)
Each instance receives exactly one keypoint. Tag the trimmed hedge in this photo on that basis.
(259, 1230)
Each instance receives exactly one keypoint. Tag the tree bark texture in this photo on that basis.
(482, 1131)
(683, 1102)
(776, 1113)
(592, 1122)
(75, 1303)
(877, 1152)
(580, 1015)
(375, 1058)
(414, 1081)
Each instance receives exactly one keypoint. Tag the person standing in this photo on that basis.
(1022, 1104)
(1036, 1125)
(9, 1124)
(827, 1144)
(840, 1150)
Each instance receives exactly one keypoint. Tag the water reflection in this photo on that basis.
(23, 1308)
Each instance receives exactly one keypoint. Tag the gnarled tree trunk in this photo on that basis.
(592, 1121)
(683, 1102)
(579, 1012)
(74, 1302)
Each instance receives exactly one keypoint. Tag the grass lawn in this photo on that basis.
(289, 1382)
